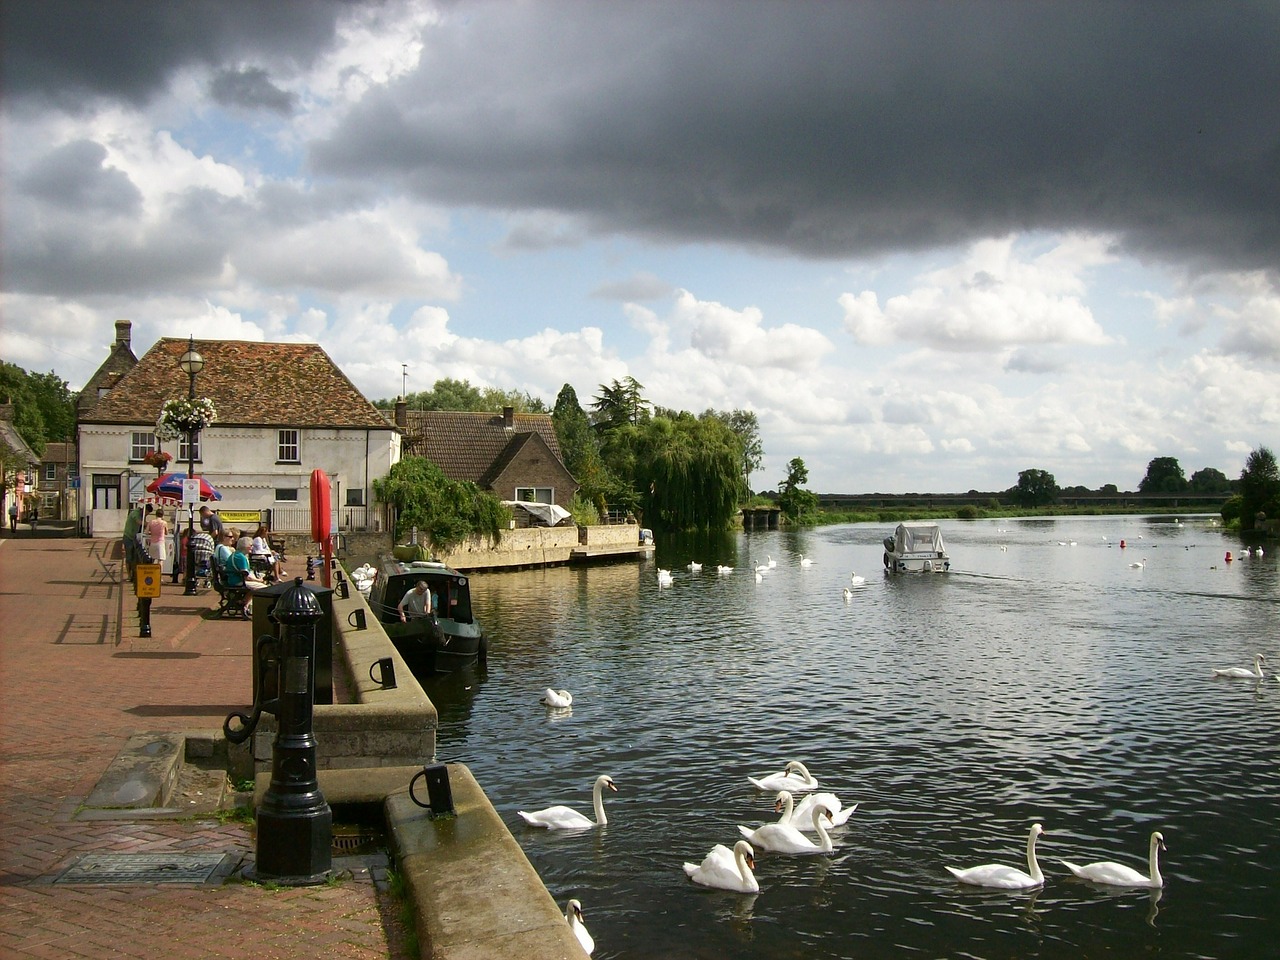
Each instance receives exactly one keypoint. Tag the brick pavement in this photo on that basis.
(77, 681)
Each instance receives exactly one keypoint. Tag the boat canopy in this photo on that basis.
(918, 538)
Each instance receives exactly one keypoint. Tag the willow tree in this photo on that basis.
(445, 512)
(686, 473)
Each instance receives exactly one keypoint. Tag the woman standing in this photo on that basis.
(157, 535)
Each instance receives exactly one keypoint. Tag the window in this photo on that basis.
(287, 494)
(355, 496)
(141, 443)
(535, 494)
(287, 447)
(51, 471)
(183, 455)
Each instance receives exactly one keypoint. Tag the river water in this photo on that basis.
(1042, 679)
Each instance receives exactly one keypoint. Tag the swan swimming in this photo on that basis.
(565, 818)
(665, 579)
(785, 838)
(856, 581)
(573, 913)
(695, 566)
(772, 562)
(726, 869)
(848, 594)
(1118, 875)
(723, 569)
(1139, 564)
(806, 561)
(795, 777)
(800, 816)
(1007, 878)
(558, 699)
(1242, 673)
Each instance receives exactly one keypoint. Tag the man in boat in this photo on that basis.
(416, 603)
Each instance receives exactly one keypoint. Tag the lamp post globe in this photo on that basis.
(191, 363)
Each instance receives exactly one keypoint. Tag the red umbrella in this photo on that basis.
(170, 485)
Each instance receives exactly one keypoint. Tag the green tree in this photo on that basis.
(16, 387)
(446, 512)
(746, 425)
(1209, 480)
(1259, 488)
(620, 403)
(1164, 475)
(1036, 488)
(798, 505)
(682, 472)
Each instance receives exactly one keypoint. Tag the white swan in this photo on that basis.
(726, 869)
(784, 838)
(558, 699)
(573, 913)
(1008, 878)
(802, 816)
(721, 568)
(856, 581)
(1118, 875)
(566, 818)
(772, 562)
(1241, 672)
(759, 577)
(848, 594)
(665, 579)
(806, 561)
(695, 566)
(795, 777)
(1139, 564)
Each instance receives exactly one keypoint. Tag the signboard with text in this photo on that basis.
(191, 490)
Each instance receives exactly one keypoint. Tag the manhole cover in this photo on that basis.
(145, 868)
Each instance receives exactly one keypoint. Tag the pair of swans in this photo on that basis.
(784, 837)
(561, 817)
(557, 699)
(573, 914)
(1242, 672)
(1104, 871)
(794, 778)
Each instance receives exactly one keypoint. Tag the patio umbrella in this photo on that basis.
(170, 485)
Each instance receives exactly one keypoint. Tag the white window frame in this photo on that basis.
(182, 449)
(51, 471)
(288, 441)
(536, 494)
(286, 491)
(141, 442)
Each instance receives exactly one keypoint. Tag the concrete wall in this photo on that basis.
(614, 535)
(532, 546)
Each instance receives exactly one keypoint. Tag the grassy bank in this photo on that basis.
(969, 512)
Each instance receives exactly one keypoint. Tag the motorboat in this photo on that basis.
(916, 548)
(450, 637)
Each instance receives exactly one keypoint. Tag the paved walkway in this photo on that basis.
(77, 682)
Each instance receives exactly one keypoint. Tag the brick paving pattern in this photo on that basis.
(77, 682)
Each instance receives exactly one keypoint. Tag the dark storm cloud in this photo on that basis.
(61, 51)
(73, 177)
(847, 128)
(250, 88)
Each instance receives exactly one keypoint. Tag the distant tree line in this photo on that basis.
(44, 411)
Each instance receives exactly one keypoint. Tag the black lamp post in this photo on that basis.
(191, 363)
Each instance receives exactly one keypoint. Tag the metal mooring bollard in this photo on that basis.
(295, 824)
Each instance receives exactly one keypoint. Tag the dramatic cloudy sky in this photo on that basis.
(929, 244)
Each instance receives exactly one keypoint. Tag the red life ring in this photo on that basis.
(321, 519)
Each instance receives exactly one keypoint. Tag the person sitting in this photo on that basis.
(224, 547)
(416, 603)
(261, 554)
(238, 572)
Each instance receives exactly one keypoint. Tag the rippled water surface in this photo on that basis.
(1043, 679)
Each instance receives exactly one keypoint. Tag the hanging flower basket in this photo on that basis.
(158, 459)
(185, 416)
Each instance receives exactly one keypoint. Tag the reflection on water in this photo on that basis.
(1039, 680)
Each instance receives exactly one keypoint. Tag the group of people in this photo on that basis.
(223, 548)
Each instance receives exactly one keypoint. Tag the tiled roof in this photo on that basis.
(251, 384)
(59, 452)
(467, 445)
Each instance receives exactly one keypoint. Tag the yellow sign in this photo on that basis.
(147, 580)
(240, 516)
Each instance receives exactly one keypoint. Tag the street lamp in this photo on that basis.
(191, 363)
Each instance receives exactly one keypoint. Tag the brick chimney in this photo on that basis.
(508, 418)
(402, 413)
(124, 334)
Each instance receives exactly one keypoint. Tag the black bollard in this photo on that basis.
(295, 824)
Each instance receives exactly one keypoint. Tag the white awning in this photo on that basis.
(549, 513)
